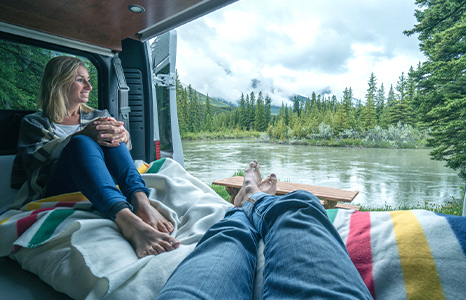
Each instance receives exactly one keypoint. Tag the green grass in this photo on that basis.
(223, 134)
(453, 207)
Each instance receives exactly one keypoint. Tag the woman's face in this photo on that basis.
(80, 88)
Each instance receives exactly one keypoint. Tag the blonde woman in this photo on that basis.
(67, 146)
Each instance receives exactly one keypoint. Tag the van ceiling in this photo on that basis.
(104, 23)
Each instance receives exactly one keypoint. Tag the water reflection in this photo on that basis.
(380, 175)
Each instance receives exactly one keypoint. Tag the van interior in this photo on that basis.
(133, 80)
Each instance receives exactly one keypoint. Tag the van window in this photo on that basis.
(21, 69)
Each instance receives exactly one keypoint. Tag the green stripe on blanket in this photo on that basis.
(46, 230)
(156, 165)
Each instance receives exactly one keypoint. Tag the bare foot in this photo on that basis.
(269, 184)
(233, 192)
(144, 238)
(252, 179)
(150, 214)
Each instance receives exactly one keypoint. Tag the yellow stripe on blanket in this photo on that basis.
(4, 221)
(418, 265)
(143, 168)
(70, 197)
(73, 197)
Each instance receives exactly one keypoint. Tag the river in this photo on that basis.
(382, 176)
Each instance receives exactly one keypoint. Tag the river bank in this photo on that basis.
(394, 137)
(454, 207)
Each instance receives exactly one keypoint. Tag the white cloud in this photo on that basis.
(297, 47)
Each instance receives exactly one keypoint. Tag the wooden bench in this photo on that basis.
(331, 197)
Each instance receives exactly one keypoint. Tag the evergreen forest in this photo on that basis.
(21, 70)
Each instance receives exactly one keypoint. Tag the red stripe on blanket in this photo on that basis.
(23, 224)
(359, 247)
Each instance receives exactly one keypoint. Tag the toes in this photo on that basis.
(158, 248)
(166, 227)
(166, 244)
(253, 165)
(170, 227)
(163, 228)
(146, 252)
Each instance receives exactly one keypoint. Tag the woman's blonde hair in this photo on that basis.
(59, 74)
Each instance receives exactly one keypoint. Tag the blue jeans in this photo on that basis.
(87, 167)
(304, 255)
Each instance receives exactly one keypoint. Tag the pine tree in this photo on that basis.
(442, 95)
(251, 111)
(208, 119)
(287, 115)
(408, 113)
(341, 119)
(369, 114)
(401, 105)
(260, 120)
(389, 115)
(182, 106)
(380, 102)
(268, 110)
(307, 108)
(195, 112)
(347, 103)
(296, 105)
(243, 112)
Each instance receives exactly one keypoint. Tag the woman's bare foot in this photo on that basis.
(252, 179)
(269, 184)
(150, 214)
(145, 239)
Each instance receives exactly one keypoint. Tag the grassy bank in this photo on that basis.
(394, 137)
(221, 134)
(453, 207)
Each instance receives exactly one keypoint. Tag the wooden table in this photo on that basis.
(331, 197)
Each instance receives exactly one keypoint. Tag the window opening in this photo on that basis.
(21, 70)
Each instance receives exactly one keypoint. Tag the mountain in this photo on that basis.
(222, 104)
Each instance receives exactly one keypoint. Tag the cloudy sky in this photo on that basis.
(288, 47)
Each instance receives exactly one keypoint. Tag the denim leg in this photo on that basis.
(304, 255)
(222, 266)
(84, 166)
(120, 164)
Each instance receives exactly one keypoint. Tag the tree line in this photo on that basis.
(304, 116)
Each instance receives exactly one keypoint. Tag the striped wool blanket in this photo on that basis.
(40, 221)
(70, 246)
(415, 254)
(400, 255)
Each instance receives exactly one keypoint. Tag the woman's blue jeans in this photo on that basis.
(305, 257)
(94, 170)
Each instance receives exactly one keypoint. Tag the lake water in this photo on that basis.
(391, 176)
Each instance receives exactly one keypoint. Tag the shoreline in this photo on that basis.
(332, 142)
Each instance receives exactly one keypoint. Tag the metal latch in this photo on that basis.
(165, 80)
(124, 112)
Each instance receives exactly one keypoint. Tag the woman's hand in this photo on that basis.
(106, 131)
